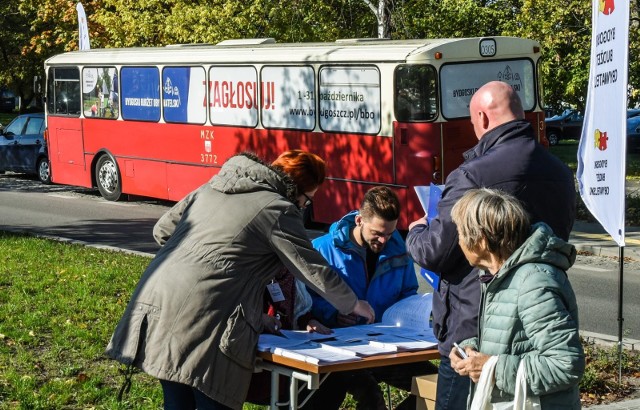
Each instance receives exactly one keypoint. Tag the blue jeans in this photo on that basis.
(179, 396)
(452, 389)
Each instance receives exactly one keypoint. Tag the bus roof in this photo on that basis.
(267, 51)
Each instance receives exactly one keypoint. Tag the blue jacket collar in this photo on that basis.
(341, 229)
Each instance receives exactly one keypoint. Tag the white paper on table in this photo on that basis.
(305, 336)
(315, 353)
(411, 312)
(362, 331)
(415, 334)
(360, 347)
(267, 342)
(401, 342)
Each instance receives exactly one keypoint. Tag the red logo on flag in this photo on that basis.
(606, 7)
(600, 140)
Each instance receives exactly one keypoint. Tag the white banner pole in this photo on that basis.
(603, 143)
(83, 30)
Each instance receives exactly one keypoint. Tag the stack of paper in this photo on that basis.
(404, 326)
(315, 353)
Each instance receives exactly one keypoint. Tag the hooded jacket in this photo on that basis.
(196, 313)
(529, 312)
(393, 280)
(506, 158)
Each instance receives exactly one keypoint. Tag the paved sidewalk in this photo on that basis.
(622, 405)
(591, 237)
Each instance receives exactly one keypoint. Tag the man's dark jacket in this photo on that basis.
(506, 158)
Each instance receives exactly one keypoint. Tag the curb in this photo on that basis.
(596, 248)
(620, 405)
(77, 242)
(609, 340)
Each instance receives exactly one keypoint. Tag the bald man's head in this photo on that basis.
(494, 104)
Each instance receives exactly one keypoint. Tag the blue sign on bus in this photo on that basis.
(140, 93)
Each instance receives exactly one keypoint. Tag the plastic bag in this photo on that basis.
(522, 400)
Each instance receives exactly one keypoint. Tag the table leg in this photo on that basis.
(312, 380)
(293, 393)
(275, 390)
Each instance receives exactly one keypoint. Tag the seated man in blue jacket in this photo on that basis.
(368, 252)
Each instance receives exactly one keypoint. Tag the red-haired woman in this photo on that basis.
(194, 319)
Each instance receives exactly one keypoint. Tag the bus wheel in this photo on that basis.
(108, 178)
(44, 171)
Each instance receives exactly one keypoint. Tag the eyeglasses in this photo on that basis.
(308, 202)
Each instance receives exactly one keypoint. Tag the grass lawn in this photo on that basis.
(567, 151)
(59, 305)
(5, 118)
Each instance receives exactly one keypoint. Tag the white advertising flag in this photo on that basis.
(603, 144)
(83, 30)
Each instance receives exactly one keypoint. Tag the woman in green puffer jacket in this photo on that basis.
(528, 310)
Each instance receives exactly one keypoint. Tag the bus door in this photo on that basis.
(417, 138)
(64, 125)
(457, 138)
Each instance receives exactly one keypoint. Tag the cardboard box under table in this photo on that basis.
(424, 387)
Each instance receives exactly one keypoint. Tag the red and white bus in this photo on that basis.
(159, 122)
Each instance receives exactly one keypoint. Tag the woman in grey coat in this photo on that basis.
(528, 311)
(195, 316)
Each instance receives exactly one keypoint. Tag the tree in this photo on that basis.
(33, 30)
(383, 16)
(162, 22)
(18, 66)
(565, 36)
(634, 55)
(445, 18)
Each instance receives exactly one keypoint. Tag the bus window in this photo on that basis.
(288, 98)
(233, 96)
(64, 91)
(415, 93)
(460, 81)
(99, 92)
(140, 87)
(350, 99)
(183, 95)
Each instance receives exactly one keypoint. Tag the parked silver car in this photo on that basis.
(23, 148)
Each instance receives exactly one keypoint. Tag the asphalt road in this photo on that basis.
(78, 214)
(83, 215)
